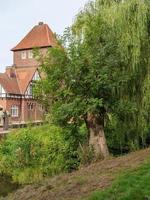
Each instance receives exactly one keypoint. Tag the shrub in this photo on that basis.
(28, 155)
(86, 154)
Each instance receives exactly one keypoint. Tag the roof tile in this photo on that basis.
(10, 85)
(19, 83)
(40, 36)
(24, 76)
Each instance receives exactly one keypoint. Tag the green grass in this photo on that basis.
(133, 185)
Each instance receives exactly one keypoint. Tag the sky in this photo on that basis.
(17, 18)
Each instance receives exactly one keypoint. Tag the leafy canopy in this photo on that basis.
(102, 66)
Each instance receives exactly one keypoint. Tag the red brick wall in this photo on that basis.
(9, 103)
(18, 61)
(31, 115)
(3, 103)
(25, 114)
(28, 115)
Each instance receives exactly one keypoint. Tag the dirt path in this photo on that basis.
(81, 183)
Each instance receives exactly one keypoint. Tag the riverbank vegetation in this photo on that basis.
(28, 155)
(97, 177)
(95, 93)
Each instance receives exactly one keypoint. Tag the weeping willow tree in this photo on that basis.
(103, 65)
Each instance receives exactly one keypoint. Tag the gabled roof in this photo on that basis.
(19, 82)
(24, 76)
(10, 85)
(40, 36)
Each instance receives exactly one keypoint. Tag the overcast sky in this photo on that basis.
(17, 17)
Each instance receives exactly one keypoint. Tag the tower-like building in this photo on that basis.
(16, 94)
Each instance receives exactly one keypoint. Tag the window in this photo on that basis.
(36, 76)
(29, 90)
(14, 111)
(2, 91)
(30, 54)
(41, 108)
(23, 54)
(30, 106)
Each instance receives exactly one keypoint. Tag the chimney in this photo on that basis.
(10, 72)
(41, 23)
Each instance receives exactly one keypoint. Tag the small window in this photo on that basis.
(30, 106)
(41, 108)
(2, 91)
(23, 54)
(30, 90)
(36, 76)
(30, 54)
(14, 111)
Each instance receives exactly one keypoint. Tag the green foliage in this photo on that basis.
(131, 185)
(102, 69)
(31, 154)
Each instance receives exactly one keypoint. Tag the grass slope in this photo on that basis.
(134, 184)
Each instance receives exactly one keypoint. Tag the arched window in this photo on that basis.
(30, 106)
(14, 111)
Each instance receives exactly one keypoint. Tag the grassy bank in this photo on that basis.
(98, 176)
(40, 157)
(131, 185)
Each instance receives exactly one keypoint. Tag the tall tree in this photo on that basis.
(104, 61)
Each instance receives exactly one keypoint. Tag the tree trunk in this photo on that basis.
(96, 135)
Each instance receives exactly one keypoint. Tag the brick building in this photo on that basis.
(16, 83)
